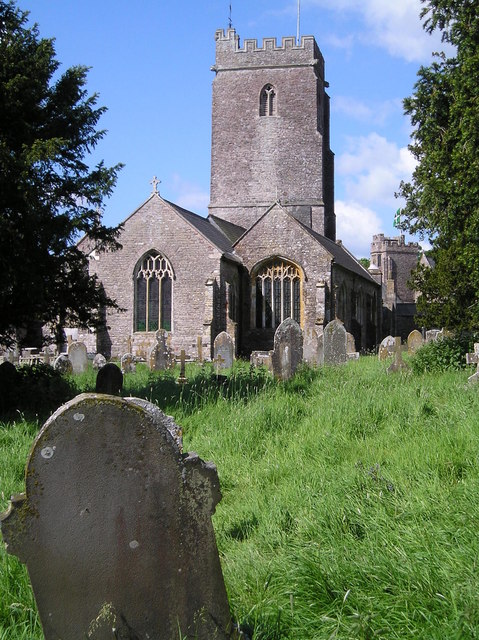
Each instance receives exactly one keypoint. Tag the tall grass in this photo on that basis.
(349, 499)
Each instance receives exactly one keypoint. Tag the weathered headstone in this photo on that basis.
(288, 349)
(261, 358)
(473, 358)
(99, 361)
(63, 364)
(115, 527)
(109, 380)
(199, 348)
(433, 334)
(414, 341)
(224, 348)
(386, 347)
(335, 343)
(182, 377)
(159, 356)
(127, 363)
(313, 352)
(77, 354)
(398, 364)
(351, 352)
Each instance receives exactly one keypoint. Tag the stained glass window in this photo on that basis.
(278, 294)
(153, 292)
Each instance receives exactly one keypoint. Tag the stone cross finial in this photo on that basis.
(182, 377)
(155, 182)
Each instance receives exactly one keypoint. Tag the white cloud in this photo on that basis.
(393, 25)
(374, 113)
(355, 226)
(189, 195)
(373, 168)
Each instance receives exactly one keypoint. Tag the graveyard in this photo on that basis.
(348, 503)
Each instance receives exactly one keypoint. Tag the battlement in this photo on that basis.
(381, 243)
(230, 54)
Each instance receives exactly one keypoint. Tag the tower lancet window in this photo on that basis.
(267, 101)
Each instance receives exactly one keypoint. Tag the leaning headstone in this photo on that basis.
(127, 363)
(288, 349)
(63, 364)
(99, 361)
(109, 380)
(78, 356)
(473, 358)
(398, 364)
(414, 341)
(159, 356)
(115, 527)
(335, 343)
(224, 348)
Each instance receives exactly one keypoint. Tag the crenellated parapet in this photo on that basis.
(231, 55)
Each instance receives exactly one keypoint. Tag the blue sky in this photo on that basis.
(150, 62)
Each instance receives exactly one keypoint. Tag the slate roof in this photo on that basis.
(230, 230)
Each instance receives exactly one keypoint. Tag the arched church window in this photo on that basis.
(278, 294)
(267, 101)
(153, 291)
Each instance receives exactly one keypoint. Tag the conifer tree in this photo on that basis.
(49, 195)
(442, 199)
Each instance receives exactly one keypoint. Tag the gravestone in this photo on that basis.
(127, 363)
(351, 347)
(159, 356)
(313, 352)
(261, 359)
(115, 527)
(77, 354)
(414, 341)
(182, 377)
(473, 358)
(398, 364)
(99, 361)
(433, 335)
(109, 380)
(224, 348)
(63, 364)
(335, 343)
(288, 349)
(386, 348)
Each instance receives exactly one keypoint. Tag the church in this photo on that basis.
(267, 250)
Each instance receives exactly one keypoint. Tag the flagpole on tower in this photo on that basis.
(297, 26)
(230, 21)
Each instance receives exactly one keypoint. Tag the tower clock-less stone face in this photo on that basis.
(270, 132)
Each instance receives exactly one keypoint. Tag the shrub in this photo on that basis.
(444, 354)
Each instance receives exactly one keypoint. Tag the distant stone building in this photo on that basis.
(268, 249)
(392, 262)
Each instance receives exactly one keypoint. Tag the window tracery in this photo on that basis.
(153, 293)
(278, 294)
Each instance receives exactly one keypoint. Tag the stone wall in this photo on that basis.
(196, 263)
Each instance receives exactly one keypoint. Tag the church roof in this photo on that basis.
(341, 255)
(205, 227)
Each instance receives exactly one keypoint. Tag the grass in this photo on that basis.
(349, 504)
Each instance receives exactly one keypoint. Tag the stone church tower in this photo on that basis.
(270, 132)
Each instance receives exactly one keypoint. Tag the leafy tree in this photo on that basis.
(49, 195)
(442, 200)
